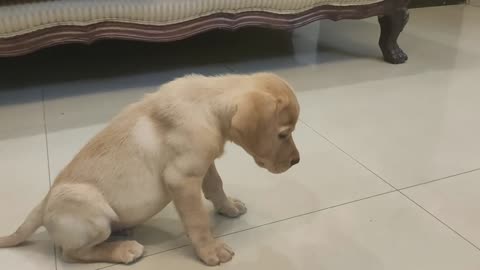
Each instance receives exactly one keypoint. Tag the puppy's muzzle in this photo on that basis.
(294, 161)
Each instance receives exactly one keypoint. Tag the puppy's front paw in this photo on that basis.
(215, 253)
(232, 208)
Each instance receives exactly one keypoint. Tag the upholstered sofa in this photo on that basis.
(30, 25)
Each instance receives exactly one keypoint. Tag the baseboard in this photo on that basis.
(432, 3)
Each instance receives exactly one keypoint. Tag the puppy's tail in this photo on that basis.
(29, 226)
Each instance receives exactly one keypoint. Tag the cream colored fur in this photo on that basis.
(162, 149)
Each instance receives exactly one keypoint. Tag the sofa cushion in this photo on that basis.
(23, 16)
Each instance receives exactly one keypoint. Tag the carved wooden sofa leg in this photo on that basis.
(391, 25)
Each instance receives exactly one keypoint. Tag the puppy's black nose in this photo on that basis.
(294, 161)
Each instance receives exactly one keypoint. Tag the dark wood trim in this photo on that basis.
(432, 3)
(30, 42)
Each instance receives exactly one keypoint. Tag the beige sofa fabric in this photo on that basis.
(23, 16)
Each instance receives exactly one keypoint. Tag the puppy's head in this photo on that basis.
(264, 122)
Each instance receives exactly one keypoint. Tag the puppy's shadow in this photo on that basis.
(167, 228)
(265, 256)
(156, 232)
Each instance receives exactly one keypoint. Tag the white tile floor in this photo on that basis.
(388, 175)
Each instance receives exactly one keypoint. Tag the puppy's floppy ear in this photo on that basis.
(253, 112)
(281, 103)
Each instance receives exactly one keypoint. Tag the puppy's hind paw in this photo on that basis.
(129, 251)
(233, 208)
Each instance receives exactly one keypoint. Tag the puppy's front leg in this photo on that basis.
(213, 190)
(186, 192)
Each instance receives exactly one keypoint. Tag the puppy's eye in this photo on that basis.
(283, 136)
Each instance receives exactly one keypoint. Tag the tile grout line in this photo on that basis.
(348, 155)
(400, 190)
(311, 212)
(270, 223)
(439, 179)
(46, 137)
(439, 220)
(48, 162)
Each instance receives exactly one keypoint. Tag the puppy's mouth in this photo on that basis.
(273, 170)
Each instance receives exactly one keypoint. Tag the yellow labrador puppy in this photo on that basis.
(163, 149)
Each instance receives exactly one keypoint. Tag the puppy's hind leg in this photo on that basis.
(112, 252)
(81, 227)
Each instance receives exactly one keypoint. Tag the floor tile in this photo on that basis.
(23, 177)
(455, 201)
(21, 113)
(385, 232)
(407, 130)
(325, 177)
